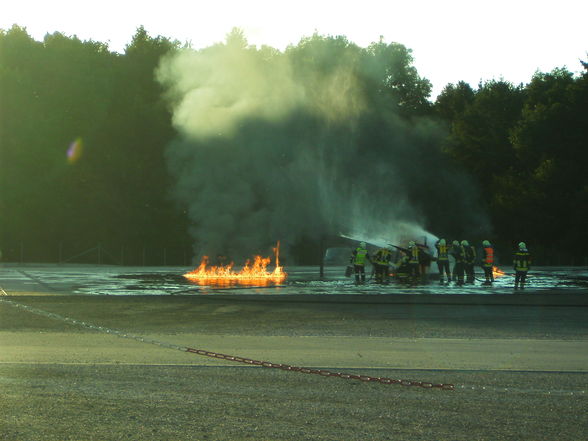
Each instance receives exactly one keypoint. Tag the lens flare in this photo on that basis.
(74, 152)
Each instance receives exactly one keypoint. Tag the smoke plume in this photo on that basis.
(283, 146)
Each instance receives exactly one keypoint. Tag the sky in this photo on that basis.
(451, 40)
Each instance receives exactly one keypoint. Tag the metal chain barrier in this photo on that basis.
(322, 372)
(249, 361)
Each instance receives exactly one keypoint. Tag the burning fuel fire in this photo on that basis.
(497, 272)
(253, 273)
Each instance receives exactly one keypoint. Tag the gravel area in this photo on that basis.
(113, 389)
(108, 402)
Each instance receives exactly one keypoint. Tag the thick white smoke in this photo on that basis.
(214, 90)
(271, 151)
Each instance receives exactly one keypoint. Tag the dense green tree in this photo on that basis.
(480, 128)
(361, 114)
(62, 90)
(526, 147)
(550, 148)
(453, 101)
(133, 143)
(391, 65)
(57, 91)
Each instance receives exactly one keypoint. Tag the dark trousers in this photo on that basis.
(520, 278)
(413, 269)
(488, 274)
(469, 270)
(443, 266)
(458, 272)
(359, 271)
(381, 272)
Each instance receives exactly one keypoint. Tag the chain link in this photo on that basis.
(321, 372)
(266, 364)
(286, 367)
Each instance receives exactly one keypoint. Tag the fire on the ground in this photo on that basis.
(253, 273)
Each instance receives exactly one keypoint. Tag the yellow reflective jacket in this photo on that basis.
(359, 256)
(522, 260)
(383, 256)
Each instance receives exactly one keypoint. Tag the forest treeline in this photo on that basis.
(84, 131)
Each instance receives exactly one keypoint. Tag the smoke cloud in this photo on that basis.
(283, 146)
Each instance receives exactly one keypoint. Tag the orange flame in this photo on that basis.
(497, 272)
(252, 274)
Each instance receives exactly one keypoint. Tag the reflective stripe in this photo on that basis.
(489, 259)
(442, 251)
(458, 253)
(383, 257)
(470, 254)
(522, 261)
(360, 254)
(414, 255)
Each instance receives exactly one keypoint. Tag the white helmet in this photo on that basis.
(362, 244)
(486, 243)
(522, 246)
(464, 243)
(411, 243)
(441, 241)
(455, 243)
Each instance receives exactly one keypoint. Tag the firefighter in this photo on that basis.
(402, 270)
(381, 263)
(443, 260)
(488, 262)
(425, 260)
(413, 261)
(358, 260)
(469, 261)
(458, 253)
(522, 264)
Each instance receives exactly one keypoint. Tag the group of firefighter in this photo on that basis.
(413, 262)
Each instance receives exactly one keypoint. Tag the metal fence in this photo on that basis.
(64, 252)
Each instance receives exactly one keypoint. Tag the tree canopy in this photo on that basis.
(526, 146)
(94, 147)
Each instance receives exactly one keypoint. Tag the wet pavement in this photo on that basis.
(117, 280)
